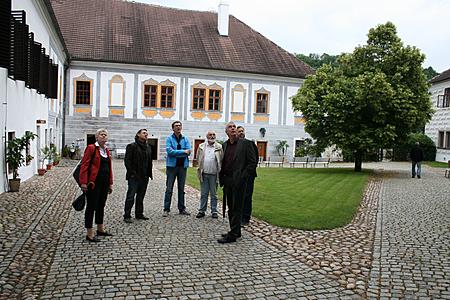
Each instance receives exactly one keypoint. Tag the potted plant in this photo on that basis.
(42, 170)
(47, 155)
(55, 157)
(15, 157)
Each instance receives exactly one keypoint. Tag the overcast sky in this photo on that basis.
(336, 26)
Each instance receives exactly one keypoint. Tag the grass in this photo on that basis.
(309, 199)
(436, 164)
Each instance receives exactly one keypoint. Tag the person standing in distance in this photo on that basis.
(416, 156)
(247, 211)
(178, 150)
(238, 163)
(138, 162)
(209, 157)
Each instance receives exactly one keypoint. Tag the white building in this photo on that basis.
(138, 66)
(31, 79)
(438, 129)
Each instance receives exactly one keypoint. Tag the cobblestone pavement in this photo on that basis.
(412, 249)
(43, 254)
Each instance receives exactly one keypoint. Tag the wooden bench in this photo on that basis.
(321, 160)
(299, 161)
(447, 173)
(120, 153)
(277, 160)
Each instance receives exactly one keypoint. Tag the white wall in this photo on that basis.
(3, 84)
(291, 91)
(440, 120)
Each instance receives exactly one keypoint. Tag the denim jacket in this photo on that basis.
(173, 153)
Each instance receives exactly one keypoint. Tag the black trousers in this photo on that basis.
(96, 200)
(247, 212)
(235, 200)
(136, 193)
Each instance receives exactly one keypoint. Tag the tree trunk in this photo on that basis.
(358, 161)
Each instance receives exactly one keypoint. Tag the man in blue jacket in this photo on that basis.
(178, 150)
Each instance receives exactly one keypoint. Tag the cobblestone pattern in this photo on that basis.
(343, 254)
(32, 221)
(176, 257)
(411, 252)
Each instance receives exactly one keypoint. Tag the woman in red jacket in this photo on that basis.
(96, 181)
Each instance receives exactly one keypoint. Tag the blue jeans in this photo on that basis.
(419, 168)
(173, 173)
(208, 186)
(135, 188)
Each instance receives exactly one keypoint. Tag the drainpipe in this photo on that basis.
(64, 106)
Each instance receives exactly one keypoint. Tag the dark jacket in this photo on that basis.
(136, 155)
(255, 149)
(244, 162)
(416, 153)
(95, 166)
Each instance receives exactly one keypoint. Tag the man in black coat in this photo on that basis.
(238, 163)
(138, 162)
(416, 156)
(247, 212)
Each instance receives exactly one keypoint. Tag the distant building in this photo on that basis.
(438, 129)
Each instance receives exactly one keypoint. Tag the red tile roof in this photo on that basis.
(135, 33)
(441, 77)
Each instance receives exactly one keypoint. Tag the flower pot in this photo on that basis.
(55, 163)
(14, 185)
(49, 167)
(41, 172)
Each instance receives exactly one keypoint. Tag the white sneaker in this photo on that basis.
(165, 213)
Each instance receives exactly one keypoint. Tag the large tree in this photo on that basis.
(371, 99)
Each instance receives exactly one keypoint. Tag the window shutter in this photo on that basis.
(19, 46)
(35, 59)
(5, 32)
(52, 80)
(43, 73)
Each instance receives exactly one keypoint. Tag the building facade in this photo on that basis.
(438, 129)
(33, 55)
(202, 68)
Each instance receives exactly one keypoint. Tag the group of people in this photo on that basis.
(232, 165)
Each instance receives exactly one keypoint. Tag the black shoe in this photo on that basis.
(199, 215)
(128, 220)
(142, 217)
(184, 212)
(214, 215)
(418, 176)
(226, 239)
(225, 234)
(244, 223)
(104, 233)
(413, 176)
(93, 240)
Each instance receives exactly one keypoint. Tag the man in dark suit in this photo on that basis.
(247, 212)
(238, 163)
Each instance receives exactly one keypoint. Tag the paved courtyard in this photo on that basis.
(397, 246)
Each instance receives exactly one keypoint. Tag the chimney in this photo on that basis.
(223, 18)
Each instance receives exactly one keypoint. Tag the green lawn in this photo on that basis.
(436, 164)
(310, 199)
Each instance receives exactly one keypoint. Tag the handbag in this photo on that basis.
(80, 202)
(76, 172)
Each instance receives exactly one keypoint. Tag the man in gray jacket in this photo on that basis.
(209, 157)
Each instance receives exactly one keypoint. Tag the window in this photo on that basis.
(150, 94)
(83, 92)
(261, 102)
(447, 140)
(199, 99)
(214, 100)
(441, 139)
(166, 96)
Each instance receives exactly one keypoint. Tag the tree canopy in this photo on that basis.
(373, 98)
(316, 60)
